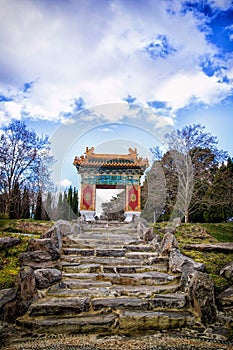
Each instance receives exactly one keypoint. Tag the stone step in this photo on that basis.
(132, 321)
(59, 306)
(125, 323)
(169, 301)
(141, 255)
(112, 252)
(144, 278)
(87, 268)
(78, 251)
(148, 278)
(143, 291)
(75, 269)
(88, 283)
(92, 243)
(107, 236)
(100, 324)
(100, 260)
(139, 248)
(134, 268)
(77, 305)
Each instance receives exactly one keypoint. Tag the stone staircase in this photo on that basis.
(108, 287)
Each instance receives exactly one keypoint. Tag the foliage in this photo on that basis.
(190, 166)
(64, 206)
(24, 230)
(114, 209)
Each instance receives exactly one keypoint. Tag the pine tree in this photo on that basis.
(25, 204)
(38, 211)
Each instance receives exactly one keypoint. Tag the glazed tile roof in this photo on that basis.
(130, 160)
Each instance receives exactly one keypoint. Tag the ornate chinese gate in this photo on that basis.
(110, 171)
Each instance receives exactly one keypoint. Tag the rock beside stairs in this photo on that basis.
(111, 282)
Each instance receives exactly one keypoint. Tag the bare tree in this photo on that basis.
(24, 161)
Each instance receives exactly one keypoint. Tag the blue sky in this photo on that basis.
(111, 73)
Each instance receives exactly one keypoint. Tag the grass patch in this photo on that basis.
(223, 232)
(206, 233)
(24, 230)
(9, 265)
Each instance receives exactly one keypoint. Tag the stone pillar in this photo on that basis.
(88, 201)
(133, 202)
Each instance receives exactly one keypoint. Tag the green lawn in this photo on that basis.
(222, 232)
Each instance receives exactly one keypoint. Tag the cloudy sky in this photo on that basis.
(96, 66)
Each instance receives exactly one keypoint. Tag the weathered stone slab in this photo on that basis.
(47, 277)
(60, 306)
(202, 297)
(7, 242)
(139, 248)
(225, 299)
(87, 268)
(144, 291)
(227, 271)
(156, 320)
(148, 278)
(134, 268)
(168, 243)
(37, 259)
(177, 260)
(45, 245)
(80, 284)
(110, 252)
(141, 255)
(55, 235)
(169, 301)
(120, 303)
(81, 324)
(78, 251)
(65, 227)
(101, 260)
(217, 247)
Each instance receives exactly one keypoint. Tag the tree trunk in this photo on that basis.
(186, 217)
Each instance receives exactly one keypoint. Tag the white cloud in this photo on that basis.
(221, 4)
(97, 51)
(64, 183)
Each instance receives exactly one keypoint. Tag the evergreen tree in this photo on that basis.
(25, 204)
(38, 211)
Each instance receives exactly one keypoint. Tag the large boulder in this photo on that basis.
(176, 222)
(225, 299)
(76, 229)
(227, 271)
(47, 277)
(65, 227)
(202, 298)
(177, 261)
(45, 245)
(17, 301)
(144, 232)
(168, 243)
(37, 259)
(55, 235)
(7, 242)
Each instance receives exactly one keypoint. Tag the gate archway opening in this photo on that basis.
(110, 171)
(105, 196)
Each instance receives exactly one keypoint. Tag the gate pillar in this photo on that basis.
(88, 200)
(133, 202)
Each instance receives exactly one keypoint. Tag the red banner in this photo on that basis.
(87, 198)
(133, 198)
